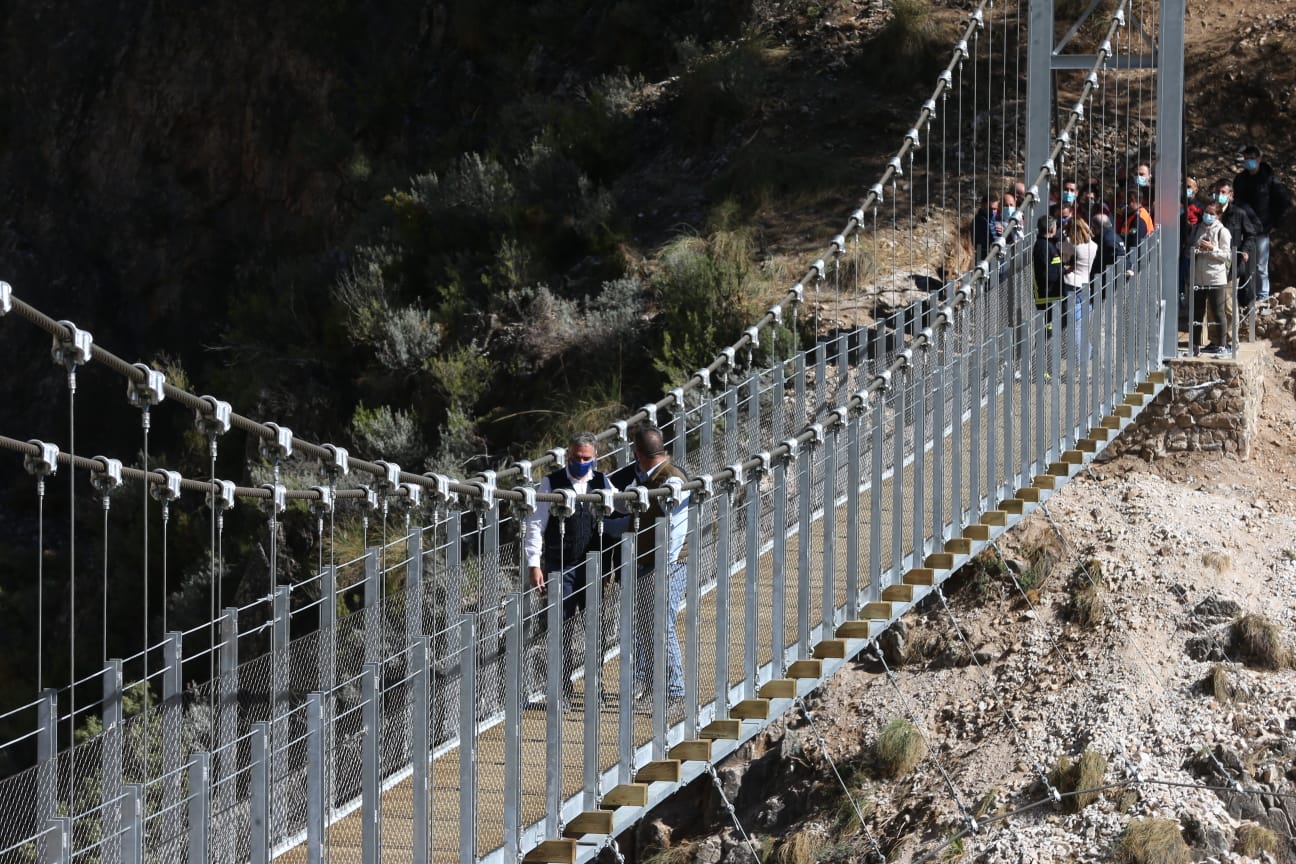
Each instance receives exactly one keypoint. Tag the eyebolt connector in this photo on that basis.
(704, 376)
(326, 502)
(42, 464)
(278, 498)
(281, 446)
(640, 502)
(413, 495)
(884, 379)
(839, 244)
(798, 292)
(6, 299)
(706, 488)
(214, 421)
(620, 426)
(485, 500)
(650, 409)
(440, 487)
(74, 349)
(737, 478)
(389, 481)
(793, 448)
(146, 393)
(605, 506)
(106, 477)
(221, 495)
(819, 269)
(729, 354)
(339, 463)
(169, 489)
(674, 494)
(764, 467)
(753, 336)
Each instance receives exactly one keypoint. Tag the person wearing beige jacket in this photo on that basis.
(1212, 250)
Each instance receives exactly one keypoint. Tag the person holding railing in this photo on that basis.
(557, 547)
(1244, 229)
(1212, 254)
(654, 471)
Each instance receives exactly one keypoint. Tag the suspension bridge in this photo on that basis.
(454, 714)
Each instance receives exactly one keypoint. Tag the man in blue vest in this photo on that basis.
(557, 547)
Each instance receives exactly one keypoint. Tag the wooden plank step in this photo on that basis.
(1073, 457)
(805, 669)
(1111, 422)
(1059, 469)
(1087, 445)
(994, 517)
(552, 852)
(662, 770)
(831, 649)
(1030, 494)
(778, 688)
(1013, 506)
(920, 576)
(959, 546)
(1045, 481)
(876, 611)
(898, 593)
(691, 751)
(939, 561)
(1126, 411)
(854, 629)
(1157, 376)
(1134, 399)
(626, 795)
(589, 822)
(722, 730)
(1147, 388)
(751, 709)
(1100, 433)
(977, 532)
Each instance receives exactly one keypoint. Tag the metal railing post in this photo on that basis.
(918, 525)
(692, 602)
(227, 719)
(413, 584)
(976, 382)
(854, 458)
(959, 387)
(279, 671)
(875, 497)
(555, 639)
(804, 505)
(661, 602)
(259, 803)
(778, 594)
(172, 715)
(111, 760)
(828, 613)
(373, 611)
(941, 353)
(132, 835)
(900, 384)
(317, 808)
(468, 738)
(199, 807)
(994, 478)
(593, 700)
(60, 832)
(46, 771)
(370, 776)
(421, 740)
(724, 565)
(751, 638)
(625, 719)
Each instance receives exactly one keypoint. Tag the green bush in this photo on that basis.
(1152, 841)
(899, 748)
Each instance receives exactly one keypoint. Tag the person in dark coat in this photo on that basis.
(1260, 189)
(1244, 228)
(1047, 259)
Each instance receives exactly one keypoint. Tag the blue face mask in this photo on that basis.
(1141, 180)
(1009, 211)
(579, 470)
(1222, 199)
(1068, 197)
(1208, 218)
(1189, 193)
(1251, 164)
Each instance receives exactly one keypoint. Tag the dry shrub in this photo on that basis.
(1219, 683)
(899, 748)
(1258, 642)
(1220, 562)
(803, 847)
(1152, 841)
(1252, 840)
(1086, 605)
(1085, 773)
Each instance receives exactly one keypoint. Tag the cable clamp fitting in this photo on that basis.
(221, 495)
(764, 467)
(485, 499)
(339, 464)
(215, 420)
(858, 218)
(1064, 138)
(838, 244)
(1119, 17)
(793, 448)
(326, 502)
(816, 431)
(167, 488)
(280, 446)
(965, 293)
(278, 498)
(639, 503)
(74, 348)
(1105, 48)
(1049, 167)
(704, 375)
(839, 416)
(42, 464)
(6, 299)
(729, 354)
(926, 337)
(413, 495)
(961, 48)
(753, 336)
(798, 294)
(946, 78)
(106, 476)
(389, 481)
(619, 425)
(929, 106)
(863, 397)
(146, 393)
(735, 481)
(1078, 110)
(876, 191)
(884, 380)
(650, 410)
(605, 506)
(819, 269)
(1093, 80)
(706, 487)
(440, 490)
(524, 470)
(674, 494)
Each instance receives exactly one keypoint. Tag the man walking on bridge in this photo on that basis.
(653, 470)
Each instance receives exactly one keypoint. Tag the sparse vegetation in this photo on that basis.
(1220, 684)
(803, 847)
(1220, 562)
(899, 748)
(1254, 840)
(1076, 779)
(1152, 841)
(1257, 641)
(1086, 606)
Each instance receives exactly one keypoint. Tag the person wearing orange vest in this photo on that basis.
(1137, 221)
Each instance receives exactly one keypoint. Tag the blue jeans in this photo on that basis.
(1262, 266)
(646, 639)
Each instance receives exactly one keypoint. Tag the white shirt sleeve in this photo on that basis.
(533, 544)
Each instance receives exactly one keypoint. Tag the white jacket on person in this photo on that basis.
(1211, 268)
